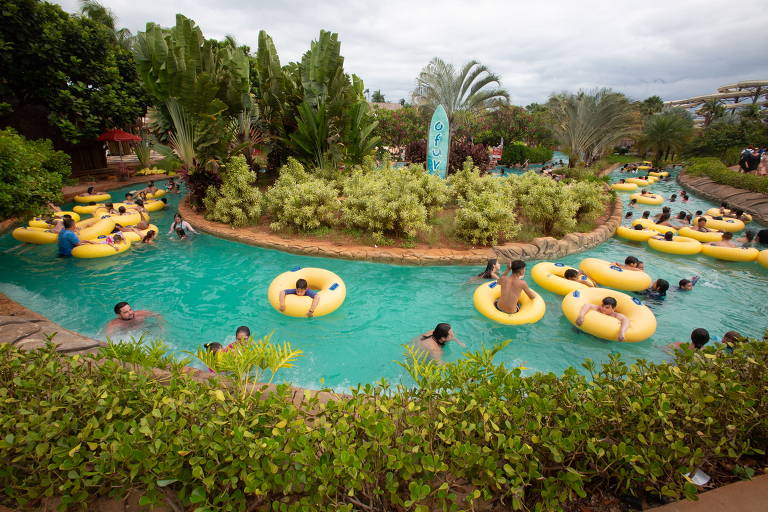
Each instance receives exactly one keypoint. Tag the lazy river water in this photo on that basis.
(205, 287)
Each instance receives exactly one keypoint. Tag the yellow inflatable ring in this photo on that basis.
(639, 181)
(38, 222)
(95, 198)
(100, 250)
(649, 224)
(94, 227)
(653, 199)
(678, 245)
(328, 285)
(87, 209)
(659, 174)
(642, 322)
(731, 225)
(636, 235)
(762, 258)
(132, 236)
(643, 167)
(33, 235)
(715, 212)
(530, 312)
(606, 274)
(127, 219)
(730, 253)
(549, 276)
(701, 236)
(156, 195)
(153, 205)
(624, 187)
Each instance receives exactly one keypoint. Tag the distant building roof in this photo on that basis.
(386, 106)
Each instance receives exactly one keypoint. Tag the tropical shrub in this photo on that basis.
(394, 201)
(714, 169)
(468, 181)
(140, 353)
(591, 198)
(518, 153)
(461, 149)
(238, 201)
(301, 202)
(473, 435)
(486, 217)
(31, 174)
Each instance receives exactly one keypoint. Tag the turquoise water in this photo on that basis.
(206, 287)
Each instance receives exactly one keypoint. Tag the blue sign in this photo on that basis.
(438, 143)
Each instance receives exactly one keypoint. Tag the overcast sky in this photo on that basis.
(672, 48)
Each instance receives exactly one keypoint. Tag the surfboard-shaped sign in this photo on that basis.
(438, 143)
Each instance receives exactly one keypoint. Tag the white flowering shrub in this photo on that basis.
(237, 201)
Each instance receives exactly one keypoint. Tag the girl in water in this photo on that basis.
(491, 271)
(434, 341)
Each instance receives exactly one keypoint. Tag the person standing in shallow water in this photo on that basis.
(127, 319)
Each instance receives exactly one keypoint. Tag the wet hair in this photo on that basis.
(119, 306)
(749, 235)
(681, 215)
(90, 190)
(622, 180)
(118, 237)
(664, 217)
(689, 217)
(91, 203)
(662, 285)
(109, 205)
(301, 284)
(180, 232)
(140, 202)
(646, 214)
(164, 200)
(631, 260)
(699, 337)
(213, 347)
(69, 223)
(669, 236)
(739, 213)
(633, 201)
(628, 215)
(243, 329)
(517, 266)
(486, 274)
(609, 301)
(177, 214)
(732, 337)
(639, 227)
(128, 194)
(724, 205)
(149, 236)
(68, 216)
(698, 212)
(684, 282)
(439, 333)
(666, 209)
(727, 235)
(121, 210)
(570, 273)
(701, 219)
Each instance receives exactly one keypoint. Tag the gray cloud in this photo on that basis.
(675, 49)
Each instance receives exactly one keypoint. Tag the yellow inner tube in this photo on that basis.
(678, 245)
(100, 250)
(701, 236)
(715, 212)
(549, 276)
(531, 310)
(606, 274)
(127, 219)
(329, 286)
(643, 167)
(730, 253)
(153, 205)
(95, 198)
(38, 222)
(731, 225)
(649, 224)
(642, 322)
(653, 199)
(640, 182)
(132, 236)
(32, 235)
(662, 174)
(156, 195)
(762, 258)
(624, 187)
(94, 227)
(87, 209)
(636, 235)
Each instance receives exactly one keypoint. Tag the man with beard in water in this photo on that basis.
(128, 319)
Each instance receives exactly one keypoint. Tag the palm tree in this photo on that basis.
(93, 10)
(711, 110)
(439, 84)
(652, 105)
(588, 124)
(667, 133)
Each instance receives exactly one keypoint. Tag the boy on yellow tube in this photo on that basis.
(511, 288)
(302, 288)
(580, 277)
(608, 307)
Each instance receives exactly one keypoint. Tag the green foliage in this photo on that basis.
(714, 169)
(508, 122)
(723, 134)
(155, 354)
(667, 133)
(143, 150)
(518, 153)
(301, 202)
(467, 181)
(377, 97)
(397, 201)
(66, 68)
(399, 128)
(591, 198)
(473, 435)
(486, 218)
(238, 201)
(31, 174)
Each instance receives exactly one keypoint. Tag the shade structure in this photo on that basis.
(118, 136)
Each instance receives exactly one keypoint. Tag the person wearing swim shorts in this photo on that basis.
(511, 288)
(302, 289)
(606, 307)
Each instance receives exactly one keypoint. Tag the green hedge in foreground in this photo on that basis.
(719, 173)
(472, 434)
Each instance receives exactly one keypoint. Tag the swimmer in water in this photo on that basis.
(127, 319)
(699, 338)
(580, 277)
(607, 307)
(727, 241)
(686, 285)
(630, 263)
(511, 288)
(302, 289)
(491, 271)
(434, 341)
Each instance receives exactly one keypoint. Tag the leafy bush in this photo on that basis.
(486, 217)
(301, 201)
(31, 174)
(546, 203)
(591, 198)
(237, 201)
(397, 201)
(155, 354)
(518, 153)
(472, 435)
(461, 149)
(468, 181)
(714, 169)
(732, 155)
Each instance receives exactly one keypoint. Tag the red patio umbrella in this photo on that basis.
(118, 136)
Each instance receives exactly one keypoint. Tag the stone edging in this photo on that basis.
(539, 248)
(754, 203)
